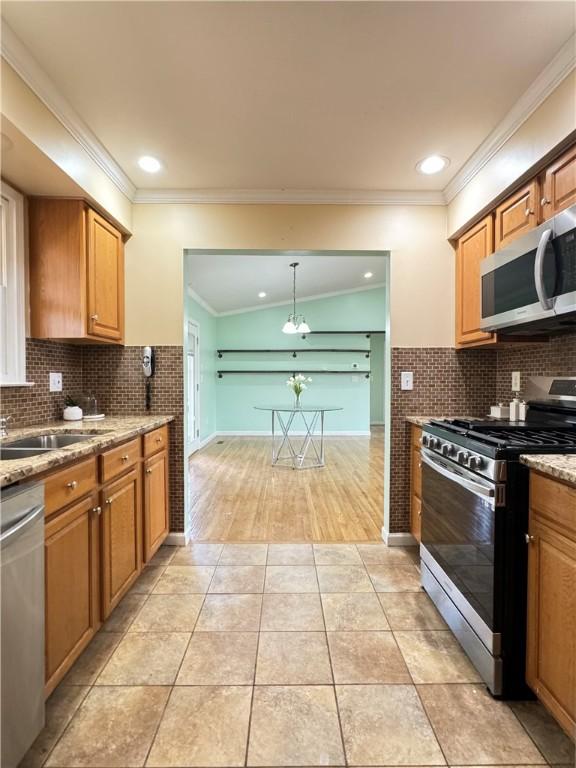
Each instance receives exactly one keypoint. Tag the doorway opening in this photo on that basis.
(254, 469)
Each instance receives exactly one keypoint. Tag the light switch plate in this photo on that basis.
(55, 382)
(516, 381)
(406, 380)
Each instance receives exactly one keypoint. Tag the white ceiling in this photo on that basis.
(291, 95)
(229, 283)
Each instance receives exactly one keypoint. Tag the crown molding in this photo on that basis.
(199, 300)
(290, 196)
(546, 82)
(22, 61)
(285, 303)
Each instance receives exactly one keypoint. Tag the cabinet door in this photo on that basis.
(517, 215)
(105, 279)
(560, 184)
(155, 503)
(551, 655)
(415, 483)
(121, 538)
(473, 246)
(71, 550)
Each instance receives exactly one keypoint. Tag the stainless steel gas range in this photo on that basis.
(475, 523)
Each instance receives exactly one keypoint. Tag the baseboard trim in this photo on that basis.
(377, 423)
(398, 539)
(175, 540)
(206, 440)
(297, 433)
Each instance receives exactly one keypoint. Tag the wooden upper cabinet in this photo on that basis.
(76, 273)
(472, 247)
(516, 215)
(559, 188)
(105, 259)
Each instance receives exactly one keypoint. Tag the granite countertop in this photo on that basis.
(109, 431)
(421, 421)
(560, 466)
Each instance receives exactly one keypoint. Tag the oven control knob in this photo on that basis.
(447, 449)
(474, 462)
(462, 457)
(425, 441)
(433, 442)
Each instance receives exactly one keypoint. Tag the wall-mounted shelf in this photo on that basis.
(367, 334)
(294, 373)
(293, 352)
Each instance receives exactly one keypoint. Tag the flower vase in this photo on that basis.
(297, 402)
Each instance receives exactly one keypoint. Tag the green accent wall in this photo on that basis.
(227, 404)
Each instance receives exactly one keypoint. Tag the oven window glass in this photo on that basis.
(458, 531)
(511, 286)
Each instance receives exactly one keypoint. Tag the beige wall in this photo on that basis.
(30, 116)
(422, 283)
(550, 124)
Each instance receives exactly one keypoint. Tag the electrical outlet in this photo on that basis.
(55, 382)
(406, 380)
(516, 381)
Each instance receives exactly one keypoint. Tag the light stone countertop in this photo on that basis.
(560, 466)
(421, 421)
(108, 432)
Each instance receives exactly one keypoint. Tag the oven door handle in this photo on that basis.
(545, 301)
(477, 488)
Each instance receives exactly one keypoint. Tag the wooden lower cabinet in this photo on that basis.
(156, 511)
(551, 640)
(71, 552)
(415, 482)
(121, 538)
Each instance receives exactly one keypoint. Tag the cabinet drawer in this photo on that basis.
(70, 484)
(555, 501)
(118, 460)
(155, 441)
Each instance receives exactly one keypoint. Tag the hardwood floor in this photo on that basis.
(237, 495)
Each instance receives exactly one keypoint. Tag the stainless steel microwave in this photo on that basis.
(530, 285)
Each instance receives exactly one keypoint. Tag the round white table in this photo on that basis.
(312, 416)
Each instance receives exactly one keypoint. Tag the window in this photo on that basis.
(12, 293)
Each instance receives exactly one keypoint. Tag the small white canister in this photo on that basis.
(72, 413)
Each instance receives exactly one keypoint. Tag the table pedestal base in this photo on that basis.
(291, 453)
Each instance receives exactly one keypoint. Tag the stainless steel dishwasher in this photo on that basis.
(22, 616)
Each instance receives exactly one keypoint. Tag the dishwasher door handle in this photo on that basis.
(24, 523)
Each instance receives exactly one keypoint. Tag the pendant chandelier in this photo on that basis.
(295, 323)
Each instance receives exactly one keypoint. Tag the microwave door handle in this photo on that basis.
(545, 301)
(470, 485)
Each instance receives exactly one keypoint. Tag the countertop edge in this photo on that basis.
(120, 429)
(557, 466)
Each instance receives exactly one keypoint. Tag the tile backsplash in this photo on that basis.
(114, 375)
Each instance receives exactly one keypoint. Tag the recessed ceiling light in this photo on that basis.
(368, 275)
(432, 164)
(149, 164)
(262, 295)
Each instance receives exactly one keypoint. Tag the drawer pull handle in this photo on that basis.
(94, 318)
(72, 484)
(148, 471)
(109, 502)
(529, 538)
(158, 439)
(125, 457)
(97, 510)
(544, 201)
(529, 212)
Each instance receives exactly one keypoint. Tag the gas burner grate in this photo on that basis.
(526, 437)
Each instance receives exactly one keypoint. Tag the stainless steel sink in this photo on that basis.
(7, 452)
(49, 442)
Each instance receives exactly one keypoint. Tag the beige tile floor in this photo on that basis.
(284, 655)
